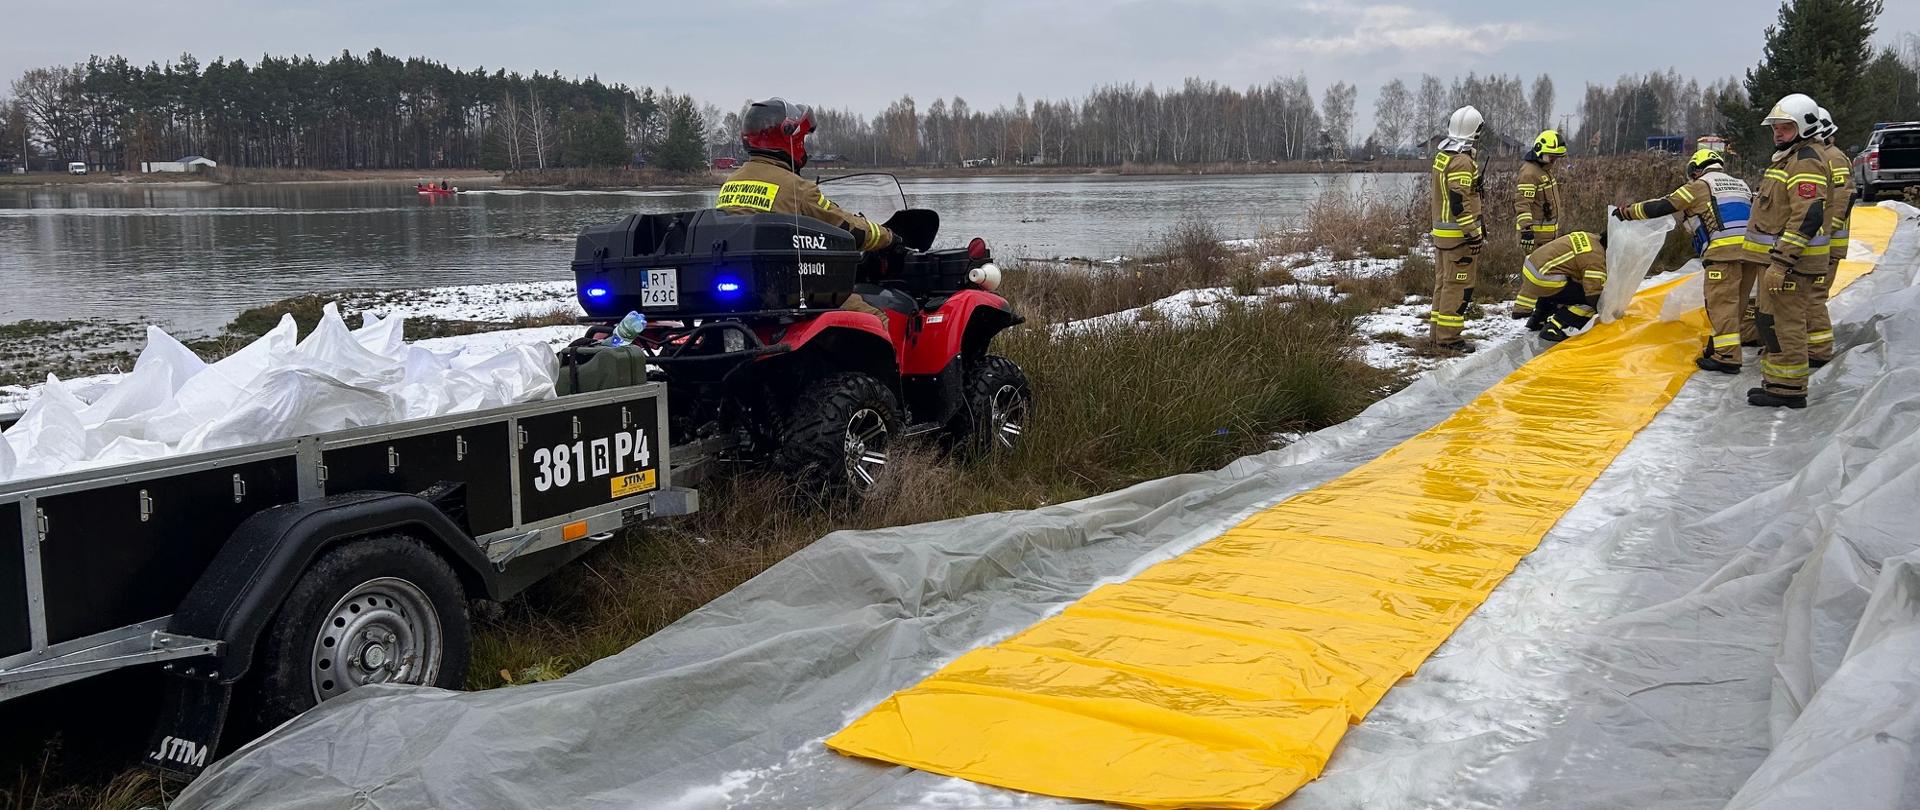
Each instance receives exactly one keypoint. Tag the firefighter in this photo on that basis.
(1832, 244)
(1458, 234)
(1789, 212)
(1717, 207)
(1561, 284)
(1538, 200)
(774, 133)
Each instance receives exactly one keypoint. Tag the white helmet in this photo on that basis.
(1799, 109)
(1827, 127)
(1465, 124)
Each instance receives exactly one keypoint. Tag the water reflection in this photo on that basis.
(188, 257)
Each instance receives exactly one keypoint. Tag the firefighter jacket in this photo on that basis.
(1538, 203)
(1789, 210)
(1576, 257)
(766, 185)
(1839, 203)
(1457, 191)
(1720, 206)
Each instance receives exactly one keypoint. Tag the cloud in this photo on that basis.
(1404, 28)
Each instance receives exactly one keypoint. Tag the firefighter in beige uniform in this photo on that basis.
(1789, 212)
(1458, 234)
(1833, 243)
(1718, 207)
(1561, 284)
(1538, 201)
(775, 134)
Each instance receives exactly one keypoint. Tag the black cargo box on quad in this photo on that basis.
(704, 263)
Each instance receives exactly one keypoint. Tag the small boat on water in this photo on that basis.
(433, 189)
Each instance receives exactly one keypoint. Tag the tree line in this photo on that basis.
(349, 112)
(382, 112)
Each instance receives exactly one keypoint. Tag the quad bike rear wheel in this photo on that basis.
(994, 416)
(837, 437)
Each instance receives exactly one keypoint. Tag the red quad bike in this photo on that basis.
(761, 365)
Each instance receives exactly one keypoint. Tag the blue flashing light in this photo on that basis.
(727, 287)
(597, 292)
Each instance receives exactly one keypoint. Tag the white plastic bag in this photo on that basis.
(1631, 248)
(1691, 294)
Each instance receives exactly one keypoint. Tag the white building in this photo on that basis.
(190, 163)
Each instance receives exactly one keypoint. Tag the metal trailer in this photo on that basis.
(187, 562)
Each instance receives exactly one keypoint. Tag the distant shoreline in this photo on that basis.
(596, 179)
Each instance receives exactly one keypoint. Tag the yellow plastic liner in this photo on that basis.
(1225, 676)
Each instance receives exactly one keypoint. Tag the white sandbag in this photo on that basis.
(161, 369)
(1631, 248)
(1690, 295)
(383, 336)
(293, 402)
(275, 388)
(49, 437)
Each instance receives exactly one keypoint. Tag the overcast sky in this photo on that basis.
(863, 54)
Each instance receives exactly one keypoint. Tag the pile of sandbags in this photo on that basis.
(276, 388)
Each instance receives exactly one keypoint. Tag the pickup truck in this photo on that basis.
(1890, 162)
(260, 580)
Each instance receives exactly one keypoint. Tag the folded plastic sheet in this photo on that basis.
(1628, 662)
(274, 388)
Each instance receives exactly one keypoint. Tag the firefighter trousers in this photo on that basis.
(1728, 286)
(1819, 319)
(1456, 270)
(1782, 322)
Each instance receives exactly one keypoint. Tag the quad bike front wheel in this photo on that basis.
(994, 417)
(838, 437)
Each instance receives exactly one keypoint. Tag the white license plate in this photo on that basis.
(661, 288)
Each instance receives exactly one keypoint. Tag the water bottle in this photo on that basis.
(627, 331)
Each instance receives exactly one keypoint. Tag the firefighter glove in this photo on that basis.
(1776, 278)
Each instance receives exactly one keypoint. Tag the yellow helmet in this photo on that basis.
(1549, 143)
(1704, 159)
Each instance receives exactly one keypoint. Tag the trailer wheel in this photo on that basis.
(377, 610)
(837, 437)
(995, 414)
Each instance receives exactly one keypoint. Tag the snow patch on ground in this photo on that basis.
(1389, 336)
(473, 302)
(1192, 307)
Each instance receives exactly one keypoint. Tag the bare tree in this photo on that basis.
(1336, 109)
(1542, 101)
(513, 127)
(50, 99)
(1392, 113)
(540, 134)
(1433, 109)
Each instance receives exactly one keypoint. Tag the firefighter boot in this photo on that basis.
(1769, 399)
(1707, 362)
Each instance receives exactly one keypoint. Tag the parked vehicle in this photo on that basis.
(1891, 161)
(263, 579)
(76, 167)
(744, 328)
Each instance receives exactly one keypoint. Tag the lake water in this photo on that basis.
(189, 257)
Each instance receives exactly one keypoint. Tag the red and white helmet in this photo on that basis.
(778, 128)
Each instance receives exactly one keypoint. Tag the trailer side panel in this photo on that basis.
(16, 635)
(126, 553)
(581, 459)
(476, 455)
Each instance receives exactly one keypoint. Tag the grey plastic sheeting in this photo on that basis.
(1731, 613)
